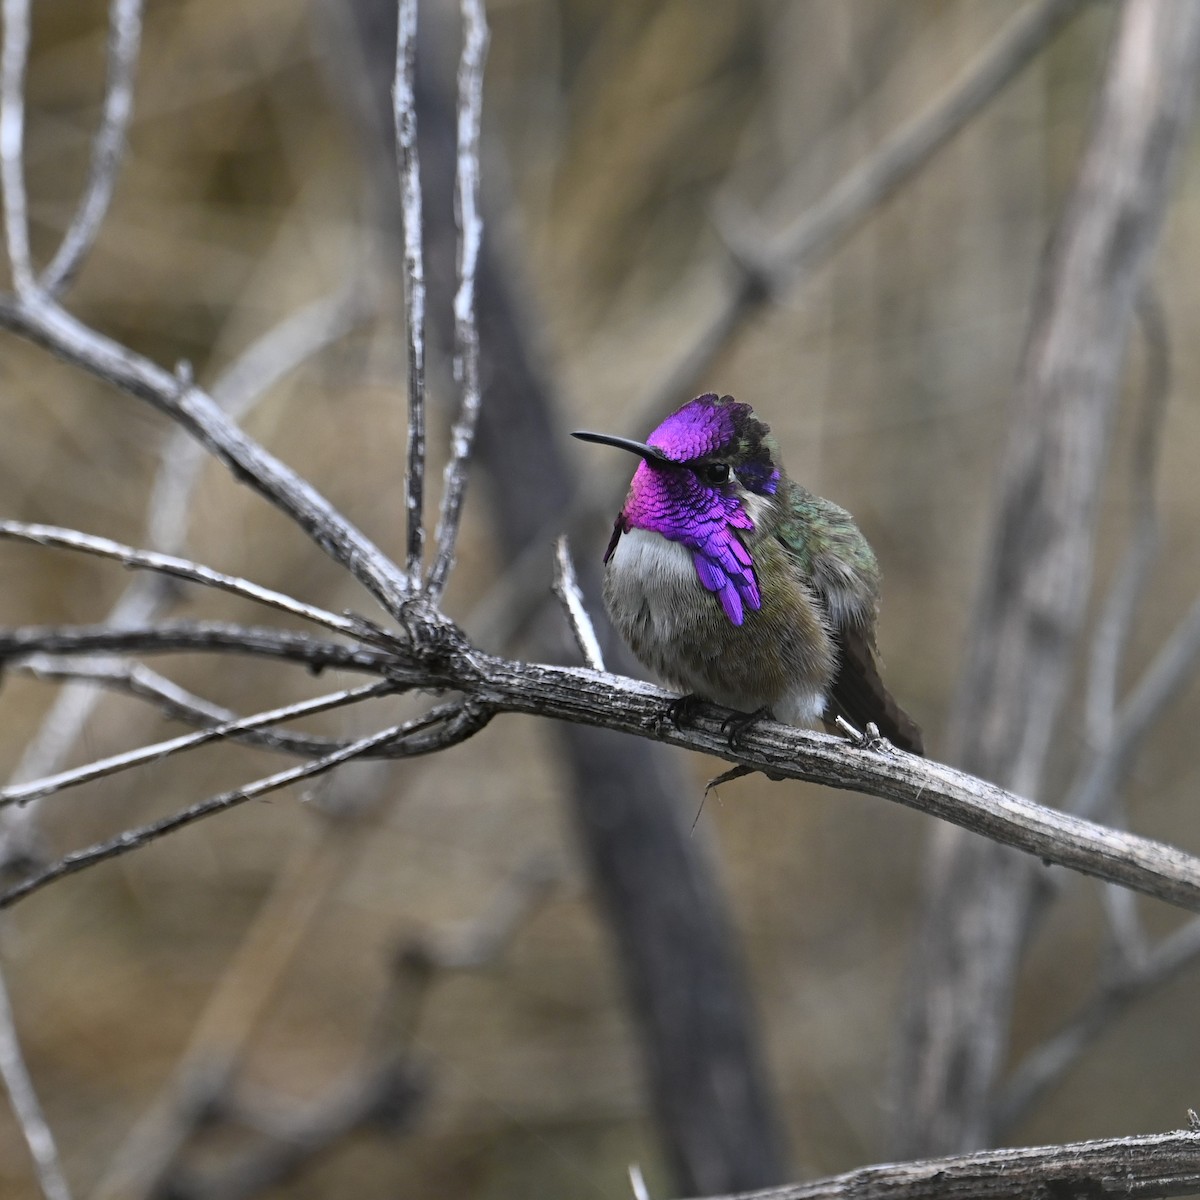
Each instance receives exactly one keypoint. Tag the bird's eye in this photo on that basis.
(715, 473)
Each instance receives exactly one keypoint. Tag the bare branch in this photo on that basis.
(1049, 1062)
(1116, 619)
(13, 60)
(168, 637)
(819, 230)
(466, 329)
(48, 325)
(137, 680)
(405, 112)
(178, 568)
(566, 588)
(450, 724)
(181, 458)
(1170, 671)
(264, 363)
(30, 1119)
(1162, 1164)
(594, 698)
(22, 793)
(1034, 593)
(108, 146)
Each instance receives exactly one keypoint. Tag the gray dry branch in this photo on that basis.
(1165, 1164)
(433, 655)
(1034, 591)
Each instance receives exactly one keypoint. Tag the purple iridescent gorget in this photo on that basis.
(676, 502)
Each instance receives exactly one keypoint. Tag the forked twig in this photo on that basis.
(108, 146)
(136, 680)
(178, 568)
(21, 793)
(457, 723)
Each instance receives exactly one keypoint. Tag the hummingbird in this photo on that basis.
(735, 584)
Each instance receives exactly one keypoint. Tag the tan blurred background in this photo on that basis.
(623, 128)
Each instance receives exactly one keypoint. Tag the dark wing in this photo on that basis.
(858, 694)
(839, 567)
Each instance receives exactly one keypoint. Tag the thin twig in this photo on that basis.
(566, 588)
(108, 146)
(457, 722)
(30, 1119)
(296, 339)
(139, 681)
(405, 112)
(50, 326)
(13, 60)
(178, 568)
(100, 768)
(60, 729)
(168, 637)
(466, 328)
(170, 509)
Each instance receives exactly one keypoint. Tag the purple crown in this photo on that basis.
(677, 503)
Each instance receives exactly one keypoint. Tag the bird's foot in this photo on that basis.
(681, 711)
(864, 739)
(736, 724)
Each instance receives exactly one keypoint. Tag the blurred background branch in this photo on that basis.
(1036, 583)
(218, 988)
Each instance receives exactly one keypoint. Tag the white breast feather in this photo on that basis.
(650, 571)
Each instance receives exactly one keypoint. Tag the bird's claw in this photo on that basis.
(679, 712)
(736, 724)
